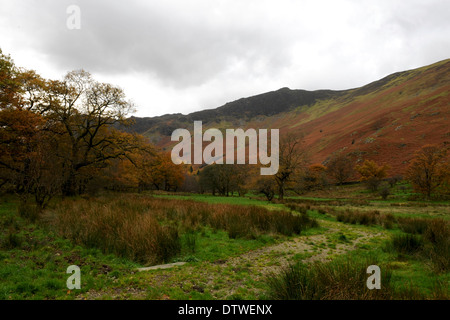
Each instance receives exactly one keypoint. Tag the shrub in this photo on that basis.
(413, 225)
(190, 239)
(167, 243)
(433, 244)
(301, 208)
(437, 247)
(116, 228)
(30, 212)
(244, 221)
(294, 282)
(388, 221)
(369, 218)
(385, 192)
(394, 180)
(343, 279)
(12, 240)
(361, 217)
(407, 243)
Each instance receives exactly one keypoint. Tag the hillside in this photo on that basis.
(237, 112)
(386, 120)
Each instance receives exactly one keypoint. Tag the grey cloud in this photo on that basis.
(117, 37)
(208, 52)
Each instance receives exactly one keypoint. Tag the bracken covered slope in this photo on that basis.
(386, 121)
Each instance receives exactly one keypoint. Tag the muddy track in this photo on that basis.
(261, 262)
(304, 245)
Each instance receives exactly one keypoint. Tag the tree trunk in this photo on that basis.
(69, 187)
(281, 192)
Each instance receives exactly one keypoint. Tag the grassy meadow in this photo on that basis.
(315, 246)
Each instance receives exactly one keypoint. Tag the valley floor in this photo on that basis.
(33, 260)
(243, 276)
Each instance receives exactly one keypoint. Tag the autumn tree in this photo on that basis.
(137, 168)
(266, 186)
(77, 114)
(316, 177)
(118, 175)
(372, 174)
(18, 141)
(429, 169)
(22, 133)
(10, 87)
(222, 178)
(35, 92)
(190, 183)
(43, 181)
(162, 173)
(209, 179)
(292, 159)
(85, 112)
(57, 136)
(28, 160)
(145, 168)
(340, 168)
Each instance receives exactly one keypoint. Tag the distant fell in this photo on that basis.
(386, 120)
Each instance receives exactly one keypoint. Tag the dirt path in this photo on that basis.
(245, 273)
(257, 264)
(311, 248)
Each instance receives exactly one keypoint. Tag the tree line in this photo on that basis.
(59, 137)
(428, 173)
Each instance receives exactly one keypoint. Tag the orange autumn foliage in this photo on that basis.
(429, 169)
(372, 174)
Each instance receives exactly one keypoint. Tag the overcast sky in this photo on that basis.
(181, 56)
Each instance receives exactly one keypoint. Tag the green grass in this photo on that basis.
(402, 278)
(308, 198)
(412, 273)
(33, 260)
(33, 266)
(36, 267)
(215, 245)
(235, 200)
